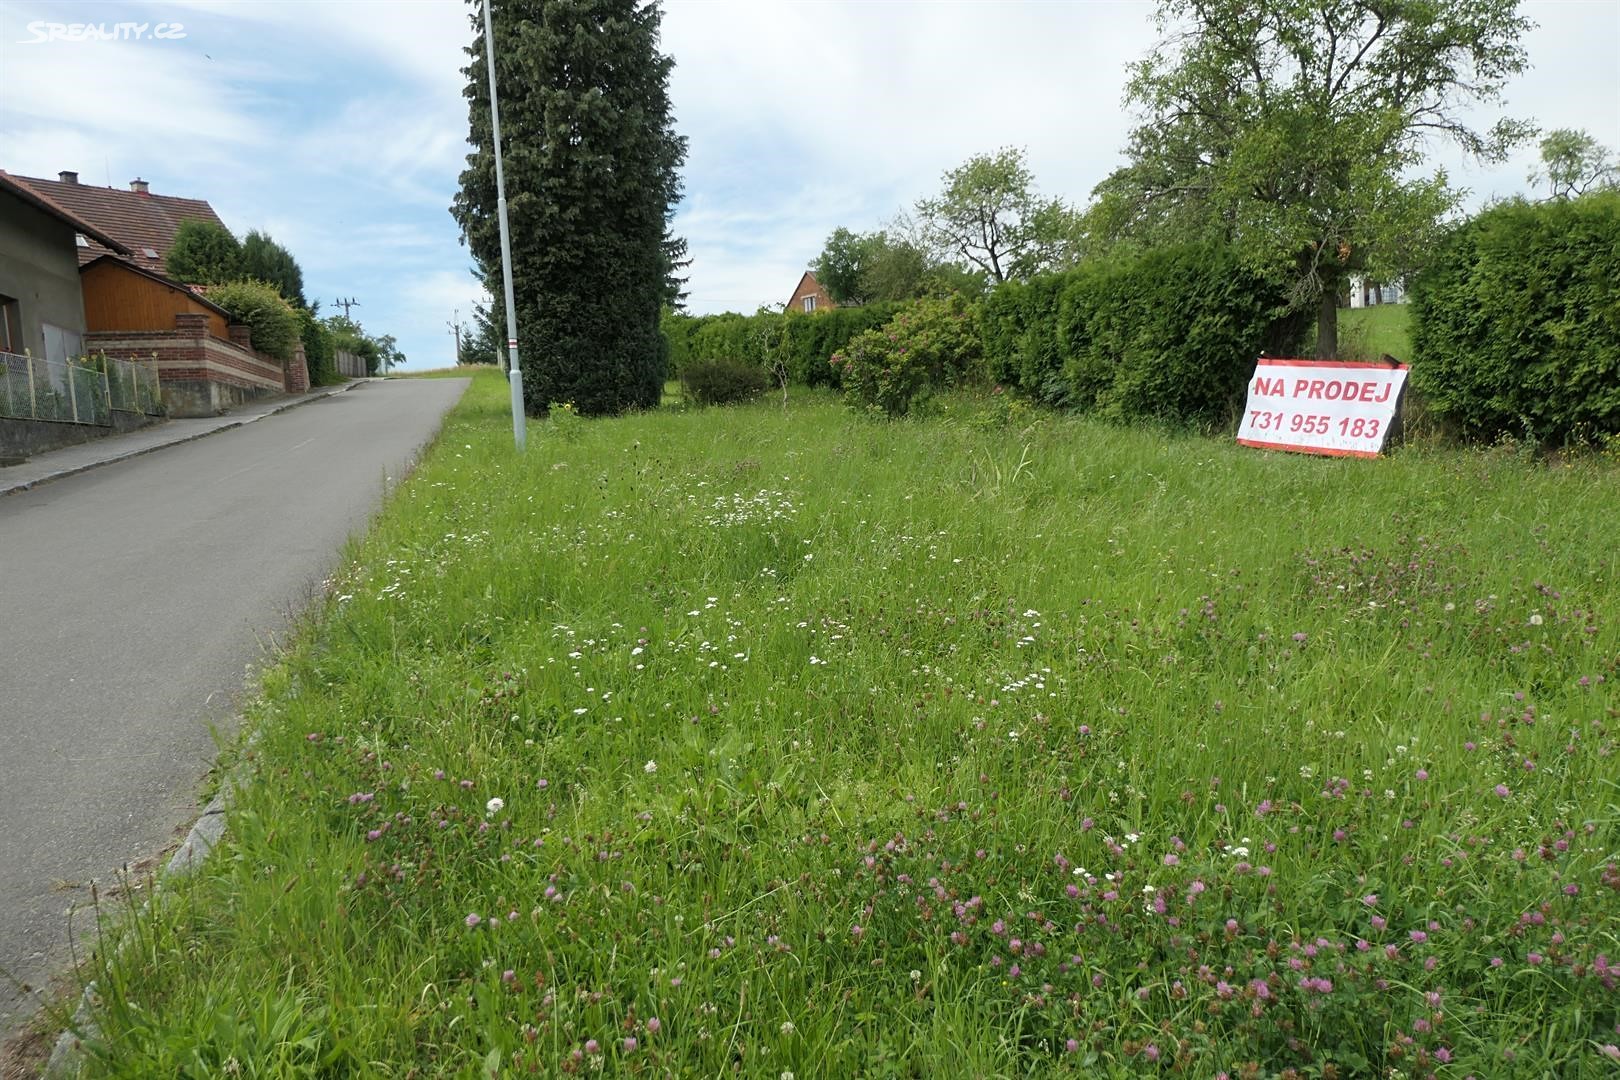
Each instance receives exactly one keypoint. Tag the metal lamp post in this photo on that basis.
(514, 375)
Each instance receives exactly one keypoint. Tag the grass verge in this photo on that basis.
(771, 741)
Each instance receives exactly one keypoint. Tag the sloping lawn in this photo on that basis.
(768, 742)
(1371, 333)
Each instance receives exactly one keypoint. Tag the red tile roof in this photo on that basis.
(136, 220)
(44, 202)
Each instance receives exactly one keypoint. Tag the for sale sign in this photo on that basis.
(1336, 407)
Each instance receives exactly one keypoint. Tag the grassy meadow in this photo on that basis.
(1372, 333)
(779, 742)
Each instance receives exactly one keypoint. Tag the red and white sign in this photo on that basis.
(1339, 407)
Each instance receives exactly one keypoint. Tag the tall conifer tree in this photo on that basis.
(591, 162)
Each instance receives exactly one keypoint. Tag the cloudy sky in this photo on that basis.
(339, 127)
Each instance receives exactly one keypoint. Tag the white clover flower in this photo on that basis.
(1535, 620)
(495, 806)
(650, 768)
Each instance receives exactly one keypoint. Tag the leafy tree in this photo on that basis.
(990, 217)
(388, 352)
(1293, 128)
(204, 253)
(860, 268)
(1573, 163)
(263, 259)
(591, 162)
(841, 267)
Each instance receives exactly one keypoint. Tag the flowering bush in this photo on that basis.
(933, 344)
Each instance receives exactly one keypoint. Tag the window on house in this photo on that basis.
(809, 303)
(11, 339)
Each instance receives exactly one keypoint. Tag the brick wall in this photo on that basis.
(202, 375)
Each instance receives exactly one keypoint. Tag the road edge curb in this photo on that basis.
(67, 1059)
(29, 485)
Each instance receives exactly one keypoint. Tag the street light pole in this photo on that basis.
(514, 374)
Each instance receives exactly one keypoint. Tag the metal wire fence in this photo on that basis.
(32, 388)
(133, 387)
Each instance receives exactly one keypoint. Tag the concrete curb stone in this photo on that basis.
(226, 425)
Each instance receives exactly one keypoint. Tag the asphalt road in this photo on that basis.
(133, 598)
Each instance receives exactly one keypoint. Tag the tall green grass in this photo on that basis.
(955, 747)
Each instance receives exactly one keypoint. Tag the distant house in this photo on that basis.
(41, 299)
(1364, 292)
(808, 295)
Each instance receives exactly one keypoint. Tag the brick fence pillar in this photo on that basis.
(240, 335)
(191, 324)
(296, 374)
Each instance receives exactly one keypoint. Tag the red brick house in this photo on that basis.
(133, 310)
(809, 296)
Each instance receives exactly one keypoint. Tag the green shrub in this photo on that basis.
(273, 321)
(723, 382)
(1020, 327)
(677, 330)
(1171, 334)
(746, 338)
(319, 351)
(933, 344)
(810, 340)
(801, 343)
(1516, 325)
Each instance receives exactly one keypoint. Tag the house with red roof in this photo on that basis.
(132, 309)
(143, 221)
(809, 295)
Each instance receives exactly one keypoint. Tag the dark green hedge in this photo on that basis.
(811, 340)
(1171, 334)
(1516, 325)
(806, 343)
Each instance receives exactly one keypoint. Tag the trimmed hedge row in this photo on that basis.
(1170, 335)
(805, 343)
(1516, 325)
